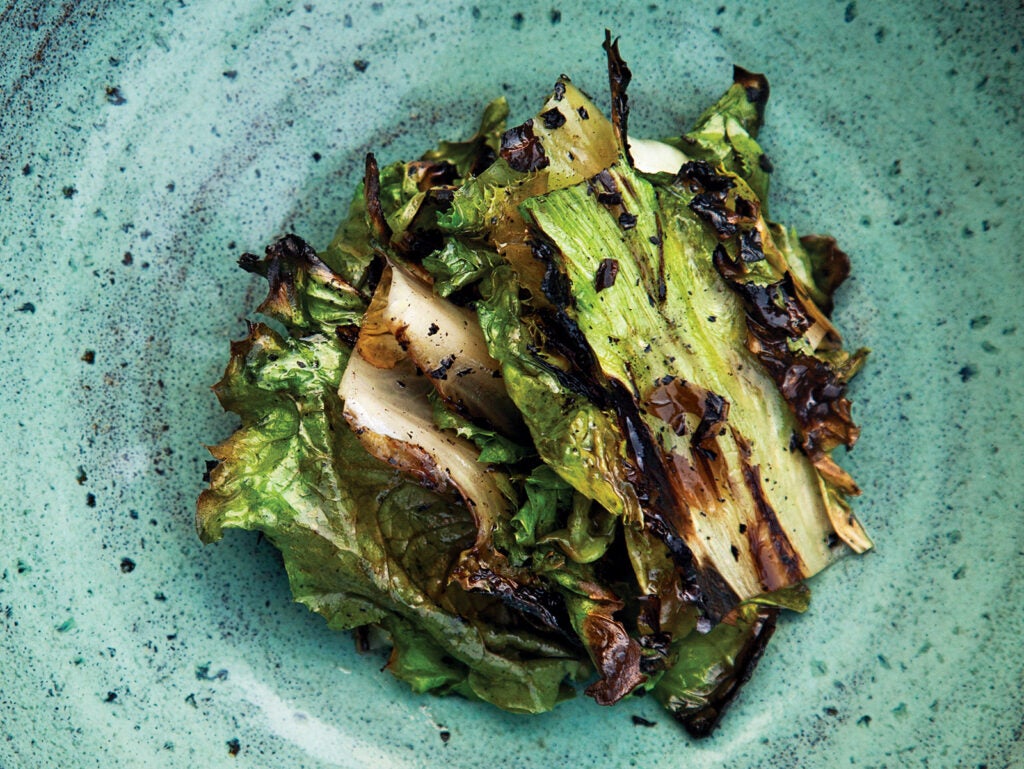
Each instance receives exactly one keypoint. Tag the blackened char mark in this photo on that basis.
(348, 335)
(441, 372)
(484, 159)
(659, 241)
(699, 176)
(756, 87)
(553, 118)
(665, 508)
(655, 642)
(710, 193)
(774, 306)
(712, 210)
(618, 79)
(430, 173)
(751, 249)
(554, 283)
(778, 564)
(251, 263)
(674, 398)
(607, 271)
(745, 208)
(611, 195)
(702, 722)
(522, 149)
(564, 337)
(545, 608)
(813, 389)
(417, 244)
(715, 411)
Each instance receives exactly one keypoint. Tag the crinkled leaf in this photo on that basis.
(458, 265)
(546, 495)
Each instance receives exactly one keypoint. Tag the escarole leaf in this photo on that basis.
(573, 436)
(387, 406)
(305, 293)
(716, 424)
(362, 542)
(710, 669)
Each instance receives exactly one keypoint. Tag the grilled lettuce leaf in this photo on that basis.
(555, 405)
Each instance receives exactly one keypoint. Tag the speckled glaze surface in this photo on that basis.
(143, 147)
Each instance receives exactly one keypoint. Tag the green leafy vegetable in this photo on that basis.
(555, 404)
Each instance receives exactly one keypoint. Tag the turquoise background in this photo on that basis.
(144, 147)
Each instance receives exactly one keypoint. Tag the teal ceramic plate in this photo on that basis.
(146, 146)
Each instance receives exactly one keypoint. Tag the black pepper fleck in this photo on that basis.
(361, 65)
(127, 565)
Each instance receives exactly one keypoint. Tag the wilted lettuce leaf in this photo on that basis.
(458, 265)
(362, 544)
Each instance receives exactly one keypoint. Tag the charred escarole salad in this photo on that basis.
(556, 405)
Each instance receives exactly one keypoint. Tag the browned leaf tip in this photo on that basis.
(830, 265)
(371, 186)
(616, 656)
(756, 86)
(619, 76)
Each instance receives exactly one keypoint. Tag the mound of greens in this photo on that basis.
(555, 405)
